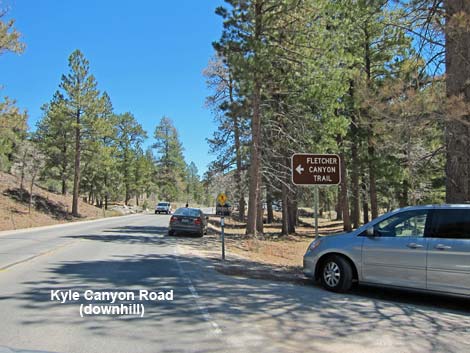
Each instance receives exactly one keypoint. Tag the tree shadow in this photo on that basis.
(263, 313)
(304, 316)
(152, 235)
(56, 209)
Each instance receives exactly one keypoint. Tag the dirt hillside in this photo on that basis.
(48, 208)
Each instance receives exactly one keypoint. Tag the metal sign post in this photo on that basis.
(222, 200)
(222, 225)
(316, 169)
(316, 210)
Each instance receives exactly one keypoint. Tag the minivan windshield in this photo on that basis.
(163, 204)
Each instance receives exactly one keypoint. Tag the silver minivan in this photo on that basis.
(420, 247)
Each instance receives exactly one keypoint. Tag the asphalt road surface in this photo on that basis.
(210, 312)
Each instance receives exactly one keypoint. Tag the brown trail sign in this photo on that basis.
(316, 169)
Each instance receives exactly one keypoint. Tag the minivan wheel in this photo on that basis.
(336, 274)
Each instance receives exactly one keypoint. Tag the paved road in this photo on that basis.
(210, 312)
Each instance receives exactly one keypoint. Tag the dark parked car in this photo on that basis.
(188, 220)
(224, 210)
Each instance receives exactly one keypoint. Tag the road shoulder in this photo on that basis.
(236, 264)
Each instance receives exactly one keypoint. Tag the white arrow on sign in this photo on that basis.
(299, 169)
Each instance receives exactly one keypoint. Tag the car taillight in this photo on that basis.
(197, 221)
(172, 219)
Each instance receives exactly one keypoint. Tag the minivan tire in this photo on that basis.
(336, 274)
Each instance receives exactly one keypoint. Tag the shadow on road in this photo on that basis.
(298, 314)
(127, 235)
(152, 230)
(153, 235)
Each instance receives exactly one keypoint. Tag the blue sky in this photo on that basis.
(148, 55)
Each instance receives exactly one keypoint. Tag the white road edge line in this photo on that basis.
(205, 313)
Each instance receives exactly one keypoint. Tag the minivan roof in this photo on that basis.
(413, 208)
(420, 207)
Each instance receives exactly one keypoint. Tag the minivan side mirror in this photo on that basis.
(370, 232)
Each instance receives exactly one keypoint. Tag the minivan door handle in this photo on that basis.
(414, 246)
(443, 247)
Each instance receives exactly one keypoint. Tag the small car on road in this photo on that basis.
(188, 220)
(163, 207)
(424, 248)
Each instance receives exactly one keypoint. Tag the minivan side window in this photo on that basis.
(403, 224)
(451, 224)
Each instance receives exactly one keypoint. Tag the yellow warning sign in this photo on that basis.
(222, 199)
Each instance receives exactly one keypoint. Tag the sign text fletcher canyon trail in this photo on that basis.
(316, 169)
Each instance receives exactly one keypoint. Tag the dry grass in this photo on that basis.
(50, 208)
(273, 248)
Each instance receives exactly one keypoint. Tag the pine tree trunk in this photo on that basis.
(372, 181)
(260, 219)
(76, 177)
(241, 208)
(355, 211)
(344, 195)
(370, 145)
(457, 132)
(238, 172)
(344, 198)
(22, 177)
(285, 212)
(64, 187)
(255, 157)
(255, 163)
(106, 191)
(365, 204)
(339, 211)
(292, 214)
(269, 204)
(31, 193)
(63, 173)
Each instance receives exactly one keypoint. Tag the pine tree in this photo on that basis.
(82, 101)
(12, 121)
(170, 160)
(231, 140)
(144, 172)
(194, 188)
(54, 135)
(12, 130)
(9, 36)
(130, 136)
